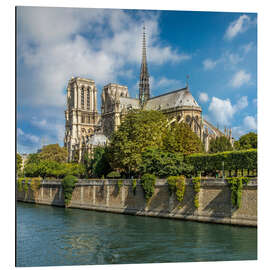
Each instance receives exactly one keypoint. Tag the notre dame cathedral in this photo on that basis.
(86, 128)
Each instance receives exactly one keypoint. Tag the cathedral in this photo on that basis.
(85, 128)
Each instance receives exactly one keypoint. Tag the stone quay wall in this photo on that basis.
(104, 195)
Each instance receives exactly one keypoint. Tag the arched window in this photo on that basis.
(188, 118)
(82, 97)
(88, 98)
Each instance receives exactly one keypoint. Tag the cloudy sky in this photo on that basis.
(217, 50)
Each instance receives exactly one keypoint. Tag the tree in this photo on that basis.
(100, 164)
(54, 152)
(220, 144)
(33, 158)
(247, 141)
(18, 163)
(139, 130)
(164, 164)
(180, 138)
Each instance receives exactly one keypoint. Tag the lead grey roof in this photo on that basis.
(178, 98)
(127, 101)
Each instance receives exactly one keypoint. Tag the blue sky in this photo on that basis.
(217, 50)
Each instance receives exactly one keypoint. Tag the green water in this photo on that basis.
(48, 235)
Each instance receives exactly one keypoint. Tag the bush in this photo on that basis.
(68, 185)
(148, 184)
(35, 183)
(196, 181)
(177, 185)
(236, 186)
(20, 184)
(113, 175)
(233, 160)
(134, 186)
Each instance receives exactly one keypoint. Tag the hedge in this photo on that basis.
(233, 160)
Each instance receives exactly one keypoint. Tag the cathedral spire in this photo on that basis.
(144, 89)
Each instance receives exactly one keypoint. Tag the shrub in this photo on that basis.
(119, 184)
(236, 186)
(114, 175)
(25, 186)
(68, 185)
(134, 186)
(20, 184)
(177, 184)
(35, 183)
(148, 184)
(196, 181)
(233, 160)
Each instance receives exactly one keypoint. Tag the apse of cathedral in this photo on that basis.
(87, 129)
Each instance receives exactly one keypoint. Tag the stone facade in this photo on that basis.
(82, 118)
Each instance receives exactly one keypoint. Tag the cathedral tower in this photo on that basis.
(81, 115)
(144, 88)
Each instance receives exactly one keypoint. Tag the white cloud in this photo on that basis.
(209, 64)
(53, 48)
(22, 136)
(240, 78)
(250, 122)
(238, 26)
(203, 97)
(222, 110)
(247, 47)
(241, 103)
(254, 101)
(234, 58)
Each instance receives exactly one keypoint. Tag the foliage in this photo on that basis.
(18, 162)
(220, 144)
(139, 130)
(99, 164)
(68, 186)
(134, 186)
(113, 175)
(35, 183)
(33, 159)
(247, 141)
(180, 138)
(163, 164)
(25, 185)
(53, 152)
(119, 184)
(20, 184)
(196, 181)
(148, 183)
(47, 168)
(233, 160)
(236, 186)
(177, 184)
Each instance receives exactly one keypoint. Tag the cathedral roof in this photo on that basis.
(128, 101)
(178, 98)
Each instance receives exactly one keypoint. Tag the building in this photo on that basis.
(83, 122)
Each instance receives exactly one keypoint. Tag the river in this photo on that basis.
(53, 236)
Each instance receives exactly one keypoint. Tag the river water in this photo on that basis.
(48, 236)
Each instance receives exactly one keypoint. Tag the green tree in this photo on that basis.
(33, 158)
(247, 141)
(139, 130)
(180, 138)
(100, 164)
(18, 162)
(54, 152)
(163, 164)
(220, 144)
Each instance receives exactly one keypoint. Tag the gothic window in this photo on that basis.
(82, 97)
(89, 119)
(82, 119)
(88, 99)
(188, 118)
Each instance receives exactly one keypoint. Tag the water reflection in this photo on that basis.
(58, 236)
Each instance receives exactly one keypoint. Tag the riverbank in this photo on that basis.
(105, 195)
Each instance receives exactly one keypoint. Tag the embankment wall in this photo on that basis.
(104, 195)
